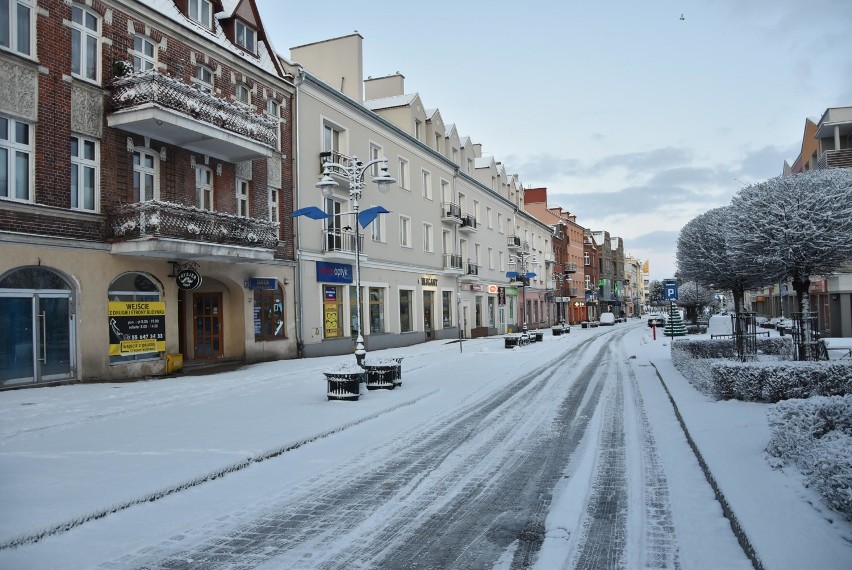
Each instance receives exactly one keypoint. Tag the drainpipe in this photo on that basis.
(300, 345)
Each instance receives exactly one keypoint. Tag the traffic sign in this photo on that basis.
(670, 291)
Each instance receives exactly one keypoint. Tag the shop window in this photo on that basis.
(269, 314)
(377, 310)
(447, 308)
(406, 312)
(332, 311)
(137, 332)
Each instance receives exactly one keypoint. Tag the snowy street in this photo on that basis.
(561, 454)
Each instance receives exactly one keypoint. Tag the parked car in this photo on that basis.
(656, 319)
(607, 319)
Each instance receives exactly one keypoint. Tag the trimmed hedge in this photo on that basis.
(776, 381)
(815, 435)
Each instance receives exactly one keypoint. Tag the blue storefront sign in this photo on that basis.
(265, 283)
(334, 272)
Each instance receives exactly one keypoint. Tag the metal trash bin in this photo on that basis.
(511, 341)
(380, 376)
(344, 385)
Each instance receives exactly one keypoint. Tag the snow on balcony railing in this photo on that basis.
(835, 159)
(152, 87)
(168, 220)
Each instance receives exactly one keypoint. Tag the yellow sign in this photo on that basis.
(136, 327)
(332, 324)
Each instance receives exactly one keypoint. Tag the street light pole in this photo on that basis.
(354, 172)
(523, 259)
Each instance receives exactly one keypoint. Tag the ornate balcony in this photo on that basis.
(166, 109)
(165, 229)
(514, 242)
(571, 267)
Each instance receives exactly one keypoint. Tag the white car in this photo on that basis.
(607, 319)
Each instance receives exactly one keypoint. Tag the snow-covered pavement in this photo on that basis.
(566, 453)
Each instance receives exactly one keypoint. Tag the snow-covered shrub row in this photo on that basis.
(694, 358)
(775, 381)
(815, 435)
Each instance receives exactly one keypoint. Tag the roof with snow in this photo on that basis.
(390, 102)
(263, 60)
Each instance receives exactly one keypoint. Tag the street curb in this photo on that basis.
(727, 511)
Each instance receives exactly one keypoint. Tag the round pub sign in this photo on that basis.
(188, 279)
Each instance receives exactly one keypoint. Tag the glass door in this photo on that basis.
(428, 301)
(36, 338)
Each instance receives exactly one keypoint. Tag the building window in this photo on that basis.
(447, 308)
(332, 139)
(404, 176)
(375, 154)
(488, 218)
(377, 229)
(246, 36)
(405, 231)
(502, 259)
(406, 310)
(427, 184)
(445, 192)
(202, 12)
(16, 26)
(587, 258)
(85, 29)
(438, 142)
(417, 129)
(203, 78)
(204, 187)
(241, 93)
(377, 310)
(242, 198)
(273, 205)
(490, 258)
(269, 314)
(16, 159)
(428, 238)
(135, 287)
(272, 108)
(145, 186)
(84, 173)
(143, 54)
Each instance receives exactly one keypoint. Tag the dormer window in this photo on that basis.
(246, 36)
(202, 12)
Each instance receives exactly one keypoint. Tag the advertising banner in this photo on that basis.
(136, 327)
(334, 272)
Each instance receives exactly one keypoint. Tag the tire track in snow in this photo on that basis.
(434, 486)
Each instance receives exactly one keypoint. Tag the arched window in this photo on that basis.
(137, 318)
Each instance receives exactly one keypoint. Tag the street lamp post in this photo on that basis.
(559, 280)
(523, 261)
(354, 172)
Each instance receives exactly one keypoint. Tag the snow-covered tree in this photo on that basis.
(694, 298)
(794, 227)
(704, 256)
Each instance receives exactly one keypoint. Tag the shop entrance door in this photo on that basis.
(428, 302)
(37, 329)
(207, 318)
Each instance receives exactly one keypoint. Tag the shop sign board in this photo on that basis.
(136, 327)
(188, 279)
(328, 272)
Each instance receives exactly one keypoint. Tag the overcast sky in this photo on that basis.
(635, 120)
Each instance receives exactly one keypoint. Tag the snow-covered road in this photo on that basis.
(543, 456)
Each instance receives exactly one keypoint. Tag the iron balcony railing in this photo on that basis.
(333, 156)
(156, 219)
(342, 241)
(472, 269)
(152, 87)
(514, 242)
(468, 222)
(571, 267)
(453, 261)
(450, 210)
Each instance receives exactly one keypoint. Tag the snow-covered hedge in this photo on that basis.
(694, 357)
(775, 381)
(815, 435)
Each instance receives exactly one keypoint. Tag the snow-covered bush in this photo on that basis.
(815, 435)
(776, 381)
